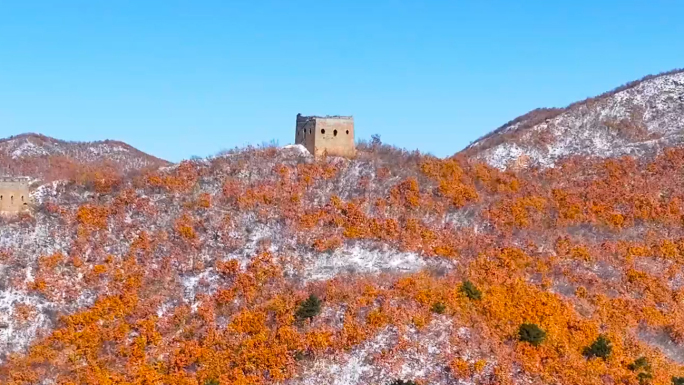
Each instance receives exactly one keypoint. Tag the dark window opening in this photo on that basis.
(22, 198)
(347, 132)
(335, 132)
(322, 130)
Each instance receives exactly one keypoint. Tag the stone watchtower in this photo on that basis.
(331, 135)
(14, 195)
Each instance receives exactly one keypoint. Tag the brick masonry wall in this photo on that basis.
(335, 136)
(331, 135)
(14, 196)
(305, 134)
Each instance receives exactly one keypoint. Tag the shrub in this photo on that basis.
(644, 378)
(600, 348)
(376, 142)
(402, 382)
(309, 308)
(212, 382)
(299, 355)
(471, 291)
(438, 307)
(638, 364)
(677, 380)
(531, 333)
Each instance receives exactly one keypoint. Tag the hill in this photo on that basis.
(265, 266)
(46, 158)
(197, 273)
(640, 119)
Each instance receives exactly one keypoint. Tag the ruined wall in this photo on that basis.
(335, 136)
(332, 135)
(305, 133)
(14, 195)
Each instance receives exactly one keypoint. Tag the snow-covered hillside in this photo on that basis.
(637, 119)
(266, 266)
(51, 231)
(194, 273)
(40, 156)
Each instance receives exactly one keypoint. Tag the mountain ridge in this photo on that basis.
(48, 158)
(627, 117)
(513, 142)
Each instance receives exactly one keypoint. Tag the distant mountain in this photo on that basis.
(47, 158)
(639, 119)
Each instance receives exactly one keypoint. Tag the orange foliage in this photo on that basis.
(93, 216)
(558, 248)
(184, 227)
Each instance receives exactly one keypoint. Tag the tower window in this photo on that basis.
(347, 132)
(335, 132)
(322, 130)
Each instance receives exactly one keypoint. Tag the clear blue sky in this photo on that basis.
(183, 78)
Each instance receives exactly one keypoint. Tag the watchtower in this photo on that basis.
(14, 195)
(331, 135)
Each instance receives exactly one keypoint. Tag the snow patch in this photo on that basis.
(657, 104)
(357, 259)
(43, 192)
(427, 353)
(297, 149)
(15, 335)
(27, 149)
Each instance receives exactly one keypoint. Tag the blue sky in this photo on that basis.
(183, 78)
